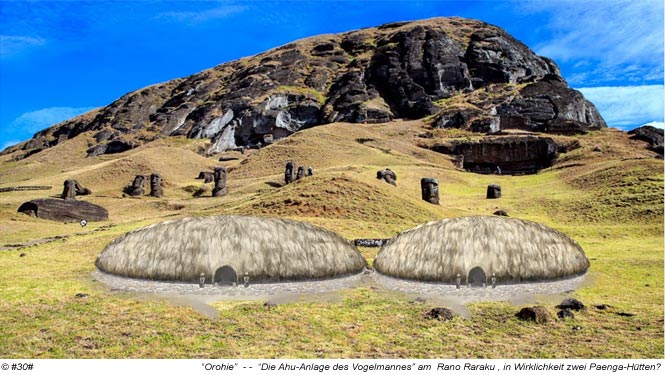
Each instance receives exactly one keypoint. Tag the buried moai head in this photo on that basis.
(220, 182)
(206, 176)
(156, 186)
(430, 190)
(310, 171)
(136, 189)
(388, 176)
(493, 191)
(288, 172)
(301, 173)
(69, 190)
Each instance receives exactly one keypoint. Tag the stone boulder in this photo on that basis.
(440, 313)
(500, 213)
(536, 314)
(64, 210)
(565, 314)
(206, 176)
(571, 304)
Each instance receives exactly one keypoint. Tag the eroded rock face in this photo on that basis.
(653, 136)
(512, 154)
(399, 70)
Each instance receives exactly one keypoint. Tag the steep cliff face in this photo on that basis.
(470, 74)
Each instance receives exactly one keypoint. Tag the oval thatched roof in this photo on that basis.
(267, 249)
(513, 249)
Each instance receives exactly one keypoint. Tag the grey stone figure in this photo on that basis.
(430, 190)
(137, 186)
(301, 173)
(156, 186)
(220, 182)
(288, 172)
(493, 191)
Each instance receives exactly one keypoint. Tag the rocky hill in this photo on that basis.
(461, 73)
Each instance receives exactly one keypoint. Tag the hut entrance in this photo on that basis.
(477, 277)
(225, 275)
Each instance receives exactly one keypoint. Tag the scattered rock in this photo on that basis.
(602, 306)
(22, 255)
(571, 303)
(564, 314)
(500, 213)
(81, 295)
(388, 176)
(576, 328)
(220, 182)
(536, 314)
(493, 191)
(269, 304)
(430, 190)
(440, 313)
(625, 314)
(156, 186)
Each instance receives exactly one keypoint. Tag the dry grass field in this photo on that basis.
(607, 195)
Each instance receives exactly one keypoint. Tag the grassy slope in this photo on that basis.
(610, 201)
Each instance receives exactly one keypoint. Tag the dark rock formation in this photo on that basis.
(64, 210)
(513, 154)
(301, 173)
(206, 176)
(536, 314)
(156, 186)
(565, 314)
(429, 188)
(571, 304)
(653, 136)
(500, 213)
(220, 182)
(400, 70)
(440, 313)
(288, 172)
(388, 176)
(136, 188)
(493, 191)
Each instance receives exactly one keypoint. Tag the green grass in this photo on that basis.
(612, 206)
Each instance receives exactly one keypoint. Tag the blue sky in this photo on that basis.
(62, 58)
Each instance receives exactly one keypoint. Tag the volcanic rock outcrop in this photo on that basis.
(468, 73)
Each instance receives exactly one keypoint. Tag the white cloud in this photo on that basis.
(627, 107)
(12, 44)
(655, 124)
(43, 118)
(203, 15)
(622, 38)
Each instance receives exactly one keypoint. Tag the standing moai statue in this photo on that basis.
(137, 186)
(220, 182)
(388, 176)
(430, 190)
(69, 190)
(310, 171)
(493, 191)
(156, 186)
(301, 173)
(288, 172)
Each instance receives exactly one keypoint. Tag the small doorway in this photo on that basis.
(477, 277)
(225, 275)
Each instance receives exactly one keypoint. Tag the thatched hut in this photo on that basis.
(476, 247)
(224, 247)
